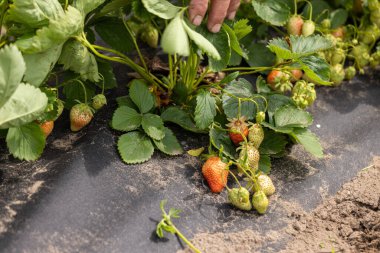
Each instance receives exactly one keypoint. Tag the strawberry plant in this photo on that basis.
(145, 130)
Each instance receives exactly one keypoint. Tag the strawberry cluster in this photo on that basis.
(248, 138)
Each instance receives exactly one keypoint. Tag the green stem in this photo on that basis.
(135, 44)
(84, 89)
(295, 7)
(192, 247)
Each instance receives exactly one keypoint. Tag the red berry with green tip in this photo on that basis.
(238, 130)
(80, 116)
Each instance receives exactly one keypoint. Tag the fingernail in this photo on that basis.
(231, 15)
(197, 20)
(216, 28)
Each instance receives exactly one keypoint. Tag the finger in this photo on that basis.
(218, 12)
(232, 9)
(197, 10)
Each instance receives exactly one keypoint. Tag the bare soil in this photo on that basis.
(347, 222)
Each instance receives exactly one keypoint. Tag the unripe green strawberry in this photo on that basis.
(375, 17)
(249, 157)
(350, 73)
(337, 74)
(373, 62)
(295, 24)
(338, 56)
(373, 5)
(308, 28)
(361, 55)
(303, 94)
(260, 202)
(99, 101)
(239, 197)
(149, 34)
(80, 116)
(370, 34)
(326, 23)
(256, 135)
(266, 184)
(260, 117)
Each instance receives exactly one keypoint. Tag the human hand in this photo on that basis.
(219, 10)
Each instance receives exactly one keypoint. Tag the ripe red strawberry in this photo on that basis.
(295, 24)
(266, 184)
(239, 197)
(238, 129)
(80, 116)
(308, 28)
(249, 158)
(99, 101)
(256, 135)
(260, 202)
(296, 75)
(47, 127)
(215, 171)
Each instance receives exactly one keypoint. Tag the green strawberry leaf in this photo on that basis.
(316, 69)
(26, 142)
(242, 28)
(177, 116)
(174, 39)
(291, 116)
(24, 106)
(239, 90)
(338, 18)
(221, 42)
(74, 91)
(34, 13)
(126, 101)
(135, 147)
(275, 102)
(273, 143)
(221, 141)
(126, 119)
(37, 73)
(141, 96)
(169, 144)
(284, 130)
(201, 42)
(308, 140)
(260, 56)
(57, 32)
(113, 32)
(229, 78)
(205, 109)
(141, 12)
(300, 46)
(161, 8)
(153, 126)
(106, 71)
(77, 58)
(12, 69)
(272, 11)
(235, 45)
(86, 6)
(265, 164)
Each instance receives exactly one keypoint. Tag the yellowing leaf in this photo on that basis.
(196, 152)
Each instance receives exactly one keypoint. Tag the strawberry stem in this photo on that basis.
(84, 89)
